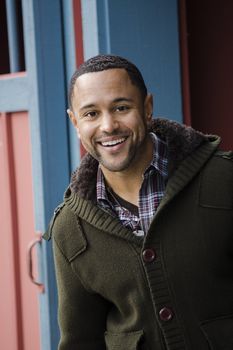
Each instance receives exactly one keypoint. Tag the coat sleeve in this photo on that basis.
(81, 314)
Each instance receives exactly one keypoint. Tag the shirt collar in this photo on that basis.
(101, 191)
(160, 156)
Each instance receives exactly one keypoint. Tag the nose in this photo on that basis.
(108, 123)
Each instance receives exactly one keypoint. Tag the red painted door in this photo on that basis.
(19, 306)
(208, 39)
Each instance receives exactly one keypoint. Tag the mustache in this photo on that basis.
(113, 133)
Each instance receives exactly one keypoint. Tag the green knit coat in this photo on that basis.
(172, 289)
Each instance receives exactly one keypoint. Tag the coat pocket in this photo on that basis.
(219, 333)
(123, 341)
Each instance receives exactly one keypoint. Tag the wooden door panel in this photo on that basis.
(20, 315)
(207, 39)
(8, 302)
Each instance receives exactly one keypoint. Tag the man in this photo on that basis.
(143, 242)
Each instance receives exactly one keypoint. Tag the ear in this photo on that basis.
(148, 108)
(72, 117)
(73, 120)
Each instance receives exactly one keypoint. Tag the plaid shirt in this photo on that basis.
(150, 194)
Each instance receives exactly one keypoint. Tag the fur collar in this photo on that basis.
(181, 141)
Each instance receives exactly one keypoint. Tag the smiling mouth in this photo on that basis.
(113, 142)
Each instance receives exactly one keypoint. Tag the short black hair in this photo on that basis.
(103, 62)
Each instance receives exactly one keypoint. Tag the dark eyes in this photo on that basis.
(90, 115)
(115, 109)
(122, 108)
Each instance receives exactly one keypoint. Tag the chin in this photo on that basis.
(115, 167)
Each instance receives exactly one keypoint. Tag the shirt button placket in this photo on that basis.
(149, 255)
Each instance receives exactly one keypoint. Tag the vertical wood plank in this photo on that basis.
(11, 311)
(184, 63)
(13, 35)
(45, 62)
(79, 54)
(211, 70)
(78, 31)
(148, 34)
(25, 232)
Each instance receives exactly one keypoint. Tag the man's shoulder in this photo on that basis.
(224, 154)
(66, 231)
(58, 210)
(216, 187)
(221, 161)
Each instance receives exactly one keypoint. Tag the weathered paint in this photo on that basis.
(13, 35)
(210, 67)
(19, 322)
(90, 28)
(14, 92)
(146, 33)
(48, 128)
(184, 63)
(74, 56)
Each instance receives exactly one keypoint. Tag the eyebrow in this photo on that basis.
(116, 100)
(91, 105)
(122, 99)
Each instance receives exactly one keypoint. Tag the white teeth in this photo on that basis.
(113, 142)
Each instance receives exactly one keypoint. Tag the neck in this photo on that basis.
(127, 183)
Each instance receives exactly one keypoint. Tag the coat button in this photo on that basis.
(165, 314)
(148, 255)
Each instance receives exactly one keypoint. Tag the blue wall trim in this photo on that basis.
(13, 36)
(16, 87)
(43, 34)
(90, 28)
(104, 34)
(70, 66)
(146, 33)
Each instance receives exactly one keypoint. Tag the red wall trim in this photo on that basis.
(184, 63)
(78, 31)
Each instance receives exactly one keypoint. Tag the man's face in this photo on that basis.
(111, 118)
